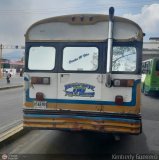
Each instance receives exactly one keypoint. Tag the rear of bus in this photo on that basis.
(66, 75)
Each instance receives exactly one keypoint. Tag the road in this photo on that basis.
(10, 106)
(85, 144)
(14, 80)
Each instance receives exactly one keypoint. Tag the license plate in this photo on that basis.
(40, 104)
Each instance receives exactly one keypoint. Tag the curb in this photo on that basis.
(10, 87)
(10, 132)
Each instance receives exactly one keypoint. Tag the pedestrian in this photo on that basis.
(8, 75)
(21, 72)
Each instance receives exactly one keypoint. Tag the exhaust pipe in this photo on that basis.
(110, 48)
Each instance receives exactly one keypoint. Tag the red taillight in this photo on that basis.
(39, 96)
(119, 100)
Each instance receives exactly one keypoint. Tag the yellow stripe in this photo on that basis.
(81, 121)
(88, 107)
(84, 127)
(28, 104)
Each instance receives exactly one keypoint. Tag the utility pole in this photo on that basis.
(1, 61)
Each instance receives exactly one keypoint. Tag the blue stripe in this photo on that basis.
(81, 117)
(131, 103)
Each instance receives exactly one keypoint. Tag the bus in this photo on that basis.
(83, 73)
(150, 76)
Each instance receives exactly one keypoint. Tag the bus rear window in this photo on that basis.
(41, 58)
(124, 59)
(80, 58)
(157, 65)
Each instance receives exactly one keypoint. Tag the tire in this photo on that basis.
(142, 88)
(144, 91)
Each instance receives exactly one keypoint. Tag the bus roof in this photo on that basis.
(83, 27)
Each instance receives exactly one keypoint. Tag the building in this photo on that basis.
(151, 48)
(12, 67)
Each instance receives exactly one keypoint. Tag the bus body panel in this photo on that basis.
(95, 30)
(62, 31)
(100, 114)
(78, 86)
(50, 90)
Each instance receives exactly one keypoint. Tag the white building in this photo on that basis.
(151, 48)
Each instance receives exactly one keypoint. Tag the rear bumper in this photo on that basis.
(73, 120)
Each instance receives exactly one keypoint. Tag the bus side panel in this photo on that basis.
(150, 79)
(155, 76)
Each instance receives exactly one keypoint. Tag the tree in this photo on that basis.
(124, 59)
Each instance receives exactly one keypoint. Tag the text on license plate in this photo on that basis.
(40, 104)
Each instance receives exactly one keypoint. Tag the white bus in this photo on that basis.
(82, 72)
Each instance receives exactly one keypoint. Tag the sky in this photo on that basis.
(17, 15)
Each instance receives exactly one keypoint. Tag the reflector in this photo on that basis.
(39, 96)
(119, 99)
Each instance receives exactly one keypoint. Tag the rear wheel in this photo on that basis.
(144, 90)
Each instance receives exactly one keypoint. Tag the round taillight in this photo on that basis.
(39, 96)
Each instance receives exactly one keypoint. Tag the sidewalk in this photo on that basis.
(15, 81)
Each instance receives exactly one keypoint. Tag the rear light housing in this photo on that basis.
(40, 80)
(123, 82)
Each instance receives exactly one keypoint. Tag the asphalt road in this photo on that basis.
(83, 145)
(10, 106)
(14, 80)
